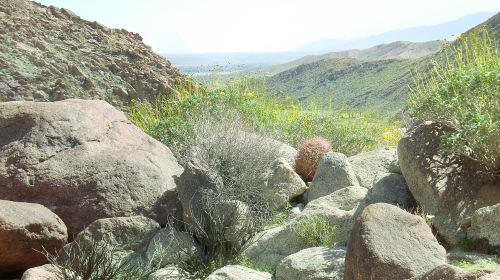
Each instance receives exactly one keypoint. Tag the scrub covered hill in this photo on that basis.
(49, 54)
(377, 78)
(394, 50)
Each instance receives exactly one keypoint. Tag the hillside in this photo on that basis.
(375, 78)
(395, 50)
(49, 54)
(380, 85)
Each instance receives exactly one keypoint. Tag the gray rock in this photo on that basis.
(334, 173)
(282, 185)
(125, 237)
(193, 186)
(389, 243)
(44, 272)
(317, 263)
(283, 150)
(446, 187)
(83, 160)
(369, 166)
(169, 273)
(297, 209)
(485, 224)
(235, 217)
(450, 272)
(170, 246)
(391, 188)
(494, 275)
(272, 245)
(341, 208)
(122, 233)
(26, 230)
(237, 272)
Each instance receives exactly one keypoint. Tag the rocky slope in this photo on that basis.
(49, 54)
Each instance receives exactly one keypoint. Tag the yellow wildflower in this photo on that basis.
(250, 94)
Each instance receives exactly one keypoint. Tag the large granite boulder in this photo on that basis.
(26, 230)
(282, 184)
(370, 165)
(270, 246)
(334, 173)
(83, 160)
(317, 263)
(125, 239)
(447, 187)
(238, 272)
(389, 243)
(169, 273)
(391, 188)
(340, 208)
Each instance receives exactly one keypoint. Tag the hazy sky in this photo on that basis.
(264, 25)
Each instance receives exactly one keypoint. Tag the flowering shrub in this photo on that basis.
(463, 92)
(349, 131)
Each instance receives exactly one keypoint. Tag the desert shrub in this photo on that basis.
(95, 261)
(317, 231)
(309, 155)
(224, 144)
(224, 219)
(462, 90)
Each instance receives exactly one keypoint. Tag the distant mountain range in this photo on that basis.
(394, 50)
(414, 34)
(202, 63)
(375, 78)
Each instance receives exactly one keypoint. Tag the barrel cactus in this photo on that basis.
(309, 155)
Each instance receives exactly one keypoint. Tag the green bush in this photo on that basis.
(317, 231)
(462, 91)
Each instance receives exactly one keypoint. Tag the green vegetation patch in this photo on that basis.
(350, 131)
(490, 264)
(463, 92)
(317, 231)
